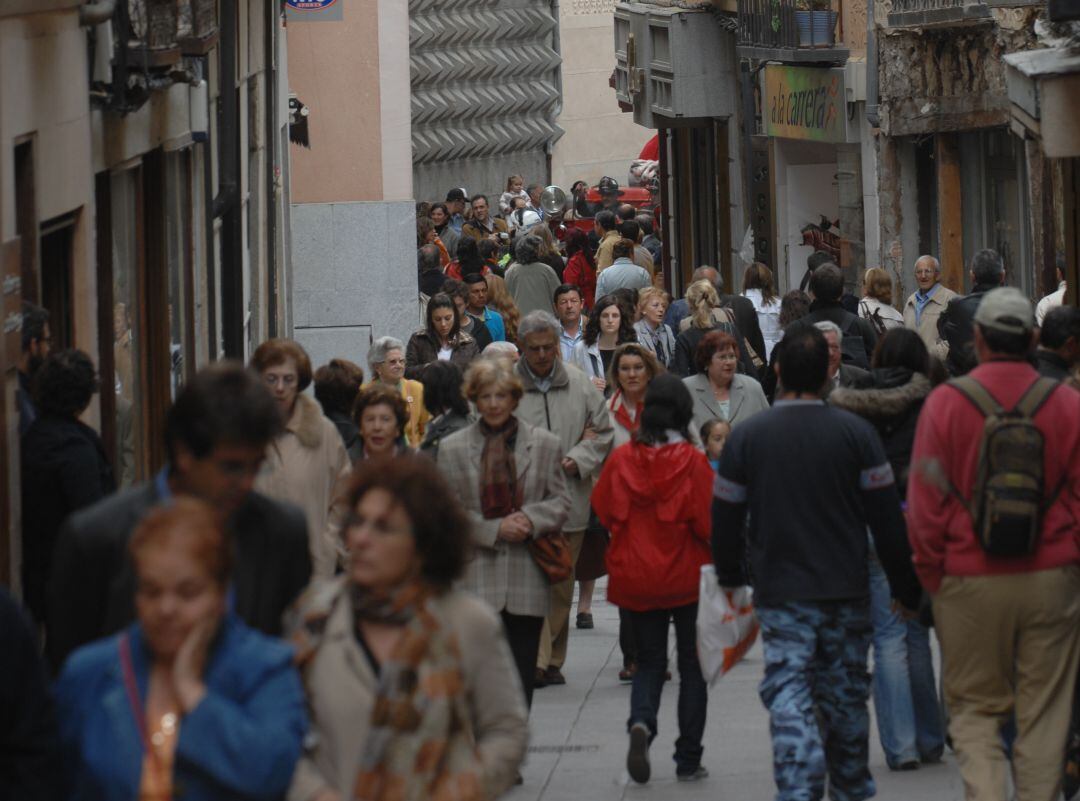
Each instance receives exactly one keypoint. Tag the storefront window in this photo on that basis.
(127, 327)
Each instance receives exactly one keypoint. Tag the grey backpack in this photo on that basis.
(1009, 496)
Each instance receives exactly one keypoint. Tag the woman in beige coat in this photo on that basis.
(510, 479)
(398, 665)
(307, 464)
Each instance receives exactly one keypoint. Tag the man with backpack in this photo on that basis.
(994, 504)
(859, 337)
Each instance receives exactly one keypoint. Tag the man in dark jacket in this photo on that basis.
(430, 274)
(957, 323)
(1059, 343)
(746, 319)
(216, 435)
(36, 340)
(860, 338)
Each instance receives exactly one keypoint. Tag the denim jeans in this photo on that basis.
(905, 693)
(651, 636)
(816, 687)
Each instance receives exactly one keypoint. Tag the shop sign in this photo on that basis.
(313, 10)
(805, 103)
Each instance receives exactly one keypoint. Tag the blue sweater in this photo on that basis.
(813, 479)
(241, 742)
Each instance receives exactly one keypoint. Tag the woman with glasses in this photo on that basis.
(307, 463)
(719, 391)
(386, 358)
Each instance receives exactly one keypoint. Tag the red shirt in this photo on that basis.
(579, 273)
(950, 428)
(657, 504)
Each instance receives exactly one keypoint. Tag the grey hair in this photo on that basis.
(699, 275)
(501, 348)
(827, 327)
(527, 250)
(536, 322)
(380, 347)
(932, 260)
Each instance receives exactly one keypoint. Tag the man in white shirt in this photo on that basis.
(1054, 299)
(623, 273)
(568, 308)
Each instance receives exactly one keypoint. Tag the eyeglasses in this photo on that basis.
(726, 357)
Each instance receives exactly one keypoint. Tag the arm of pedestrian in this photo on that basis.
(886, 522)
(549, 514)
(729, 505)
(589, 454)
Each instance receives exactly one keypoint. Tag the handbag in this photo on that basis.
(726, 625)
(552, 553)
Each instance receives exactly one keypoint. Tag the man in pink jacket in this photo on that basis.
(1009, 625)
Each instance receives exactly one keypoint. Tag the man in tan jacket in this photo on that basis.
(607, 228)
(926, 304)
(561, 399)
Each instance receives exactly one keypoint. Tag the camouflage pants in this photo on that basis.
(816, 688)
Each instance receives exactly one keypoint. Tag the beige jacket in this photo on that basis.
(570, 406)
(928, 321)
(308, 466)
(504, 573)
(341, 688)
(605, 256)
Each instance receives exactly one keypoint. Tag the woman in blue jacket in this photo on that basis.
(188, 702)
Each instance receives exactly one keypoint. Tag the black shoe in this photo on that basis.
(698, 773)
(637, 758)
(554, 676)
(519, 780)
(909, 764)
(627, 673)
(584, 620)
(541, 679)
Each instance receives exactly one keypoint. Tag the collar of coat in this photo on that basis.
(306, 422)
(559, 376)
(884, 403)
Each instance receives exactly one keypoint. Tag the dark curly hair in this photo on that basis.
(442, 389)
(440, 527)
(626, 321)
(711, 344)
(337, 384)
(377, 394)
(65, 383)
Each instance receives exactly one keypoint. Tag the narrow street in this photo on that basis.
(578, 747)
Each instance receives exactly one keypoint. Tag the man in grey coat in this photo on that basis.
(561, 399)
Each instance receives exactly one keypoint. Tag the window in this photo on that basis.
(180, 268)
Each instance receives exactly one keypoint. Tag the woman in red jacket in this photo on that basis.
(580, 267)
(654, 497)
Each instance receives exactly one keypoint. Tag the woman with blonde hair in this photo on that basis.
(499, 298)
(549, 253)
(760, 289)
(876, 304)
(705, 315)
(652, 331)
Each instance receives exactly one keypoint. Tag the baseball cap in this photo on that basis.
(1006, 310)
(455, 194)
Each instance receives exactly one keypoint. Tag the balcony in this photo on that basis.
(792, 31)
(939, 13)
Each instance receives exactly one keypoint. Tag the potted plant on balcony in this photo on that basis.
(823, 23)
(803, 23)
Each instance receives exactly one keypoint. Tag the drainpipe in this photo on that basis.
(227, 202)
(96, 13)
(872, 94)
(273, 202)
(556, 45)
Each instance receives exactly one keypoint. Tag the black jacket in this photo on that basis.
(746, 320)
(64, 469)
(30, 768)
(350, 434)
(423, 349)
(851, 326)
(479, 332)
(439, 429)
(93, 581)
(956, 325)
(1051, 365)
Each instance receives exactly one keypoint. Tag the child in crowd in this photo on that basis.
(714, 434)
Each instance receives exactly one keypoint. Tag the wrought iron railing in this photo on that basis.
(787, 24)
(924, 13)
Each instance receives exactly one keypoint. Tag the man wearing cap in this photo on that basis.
(1009, 626)
(455, 204)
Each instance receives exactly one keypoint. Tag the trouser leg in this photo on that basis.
(693, 694)
(650, 633)
(892, 682)
(626, 639)
(562, 598)
(929, 727)
(523, 636)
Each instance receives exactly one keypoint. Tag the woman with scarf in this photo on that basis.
(410, 684)
(633, 367)
(654, 496)
(510, 479)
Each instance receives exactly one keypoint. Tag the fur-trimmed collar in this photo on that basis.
(882, 404)
(306, 422)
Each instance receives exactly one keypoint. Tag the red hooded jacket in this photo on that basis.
(657, 503)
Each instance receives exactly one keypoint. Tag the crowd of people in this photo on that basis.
(356, 592)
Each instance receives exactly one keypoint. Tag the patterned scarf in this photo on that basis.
(420, 745)
(498, 471)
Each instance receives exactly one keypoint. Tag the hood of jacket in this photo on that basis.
(895, 391)
(306, 422)
(655, 474)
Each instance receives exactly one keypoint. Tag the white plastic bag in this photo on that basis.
(726, 625)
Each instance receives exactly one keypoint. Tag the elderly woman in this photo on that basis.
(652, 331)
(446, 402)
(705, 315)
(609, 326)
(510, 478)
(441, 339)
(337, 384)
(187, 699)
(718, 391)
(307, 463)
(654, 497)
(380, 416)
(411, 687)
(386, 358)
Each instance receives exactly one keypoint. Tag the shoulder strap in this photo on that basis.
(977, 394)
(1037, 394)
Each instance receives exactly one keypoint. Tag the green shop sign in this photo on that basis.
(805, 103)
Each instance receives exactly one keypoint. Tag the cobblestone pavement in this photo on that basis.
(578, 744)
